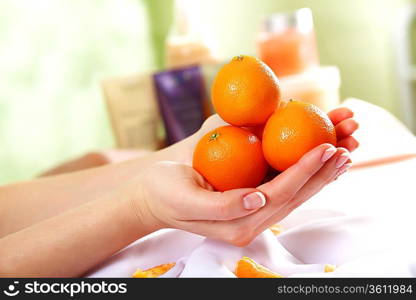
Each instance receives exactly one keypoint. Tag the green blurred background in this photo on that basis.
(54, 53)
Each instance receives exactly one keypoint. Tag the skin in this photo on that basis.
(94, 159)
(49, 226)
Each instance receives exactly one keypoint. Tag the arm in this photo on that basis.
(26, 203)
(161, 195)
(73, 242)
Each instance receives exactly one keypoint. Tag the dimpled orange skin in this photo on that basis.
(245, 92)
(294, 129)
(229, 158)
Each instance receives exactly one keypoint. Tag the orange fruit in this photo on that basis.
(257, 130)
(229, 158)
(248, 268)
(329, 268)
(153, 272)
(294, 129)
(245, 91)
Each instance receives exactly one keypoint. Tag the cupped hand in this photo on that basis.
(174, 195)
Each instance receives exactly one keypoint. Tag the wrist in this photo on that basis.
(137, 205)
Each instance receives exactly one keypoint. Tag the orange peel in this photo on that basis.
(153, 272)
(248, 268)
(329, 268)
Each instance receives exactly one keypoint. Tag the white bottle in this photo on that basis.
(189, 41)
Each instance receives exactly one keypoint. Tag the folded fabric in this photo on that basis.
(382, 136)
(358, 246)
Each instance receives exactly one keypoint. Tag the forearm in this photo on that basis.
(73, 242)
(27, 203)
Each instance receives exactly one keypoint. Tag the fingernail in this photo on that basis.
(342, 159)
(344, 169)
(328, 153)
(254, 200)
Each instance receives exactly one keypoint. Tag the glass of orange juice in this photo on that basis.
(287, 43)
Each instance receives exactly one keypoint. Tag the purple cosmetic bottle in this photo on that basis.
(181, 94)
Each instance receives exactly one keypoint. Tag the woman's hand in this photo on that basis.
(345, 126)
(174, 195)
(123, 202)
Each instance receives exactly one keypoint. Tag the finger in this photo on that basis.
(332, 168)
(241, 231)
(286, 185)
(349, 143)
(211, 123)
(323, 177)
(228, 205)
(342, 170)
(339, 114)
(238, 232)
(183, 151)
(346, 128)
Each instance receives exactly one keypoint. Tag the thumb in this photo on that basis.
(228, 205)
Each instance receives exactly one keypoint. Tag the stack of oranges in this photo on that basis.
(264, 131)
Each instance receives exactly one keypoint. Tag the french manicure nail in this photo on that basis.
(328, 153)
(344, 169)
(254, 200)
(342, 159)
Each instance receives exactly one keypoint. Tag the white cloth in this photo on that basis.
(358, 246)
